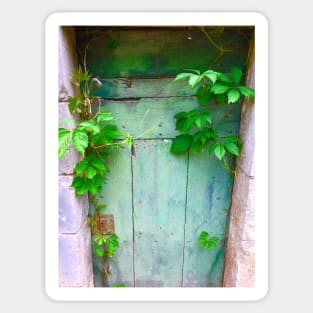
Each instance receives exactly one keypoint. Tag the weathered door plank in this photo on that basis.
(154, 118)
(159, 191)
(117, 195)
(164, 52)
(208, 199)
(143, 88)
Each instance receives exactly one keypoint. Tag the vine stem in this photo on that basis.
(226, 165)
(99, 109)
(99, 155)
(219, 48)
(110, 144)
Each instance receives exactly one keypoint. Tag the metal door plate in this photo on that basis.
(105, 224)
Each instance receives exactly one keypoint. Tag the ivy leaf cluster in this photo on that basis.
(197, 125)
(105, 245)
(206, 241)
(92, 137)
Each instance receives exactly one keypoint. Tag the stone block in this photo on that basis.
(69, 261)
(75, 263)
(67, 61)
(68, 162)
(247, 128)
(73, 210)
(247, 135)
(242, 210)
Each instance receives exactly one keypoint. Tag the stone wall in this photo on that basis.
(75, 264)
(240, 262)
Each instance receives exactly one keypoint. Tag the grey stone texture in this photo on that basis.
(75, 267)
(73, 210)
(67, 164)
(67, 62)
(75, 259)
(240, 255)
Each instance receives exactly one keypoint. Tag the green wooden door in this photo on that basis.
(161, 202)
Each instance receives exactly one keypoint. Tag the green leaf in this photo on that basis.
(192, 112)
(81, 167)
(73, 104)
(193, 70)
(80, 75)
(89, 126)
(219, 88)
(246, 91)
(212, 147)
(196, 147)
(180, 124)
(64, 139)
(80, 185)
(118, 285)
(99, 165)
(203, 139)
(232, 148)
(211, 75)
(205, 98)
(204, 234)
(111, 131)
(203, 238)
(194, 80)
(210, 134)
(208, 242)
(224, 78)
(197, 136)
(66, 121)
(99, 251)
(188, 123)
(207, 117)
(78, 181)
(200, 122)
(80, 140)
(219, 151)
(200, 91)
(92, 187)
(233, 96)
(104, 116)
(182, 76)
(180, 115)
(181, 143)
(236, 74)
(91, 172)
(112, 244)
(99, 180)
(233, 139)
(99, 239)
(214, 239)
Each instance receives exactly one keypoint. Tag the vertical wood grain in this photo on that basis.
(208, 199)
(117, 195)
(159, 214)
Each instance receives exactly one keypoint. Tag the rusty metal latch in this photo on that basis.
(105, 224)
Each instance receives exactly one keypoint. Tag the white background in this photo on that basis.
(22, 154)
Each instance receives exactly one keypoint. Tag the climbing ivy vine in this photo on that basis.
(197, 126)
(93, 137)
